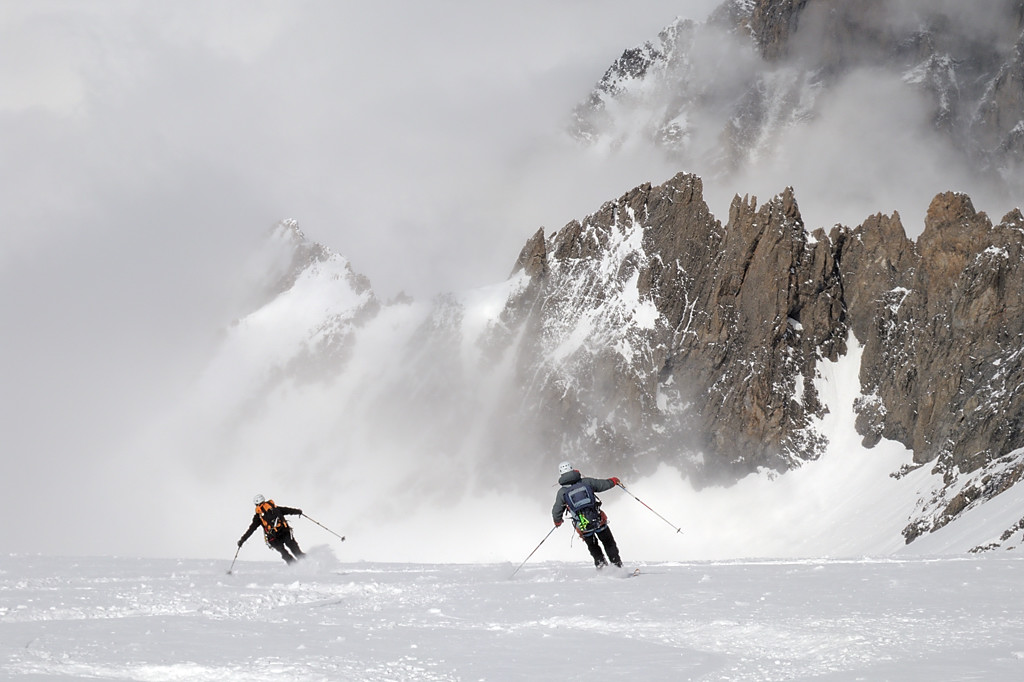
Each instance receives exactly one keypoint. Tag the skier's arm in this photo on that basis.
(252, 527)
(558, 510)
(290, 511)
(601, 484)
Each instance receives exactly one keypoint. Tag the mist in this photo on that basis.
(147, 151)
(871, 143)
(860, 141)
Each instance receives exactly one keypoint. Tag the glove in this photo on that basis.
(300, 512)
(558, 523)
(240, 542)
(615, 481)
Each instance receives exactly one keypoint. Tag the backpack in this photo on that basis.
(272, 520)
(585, 509)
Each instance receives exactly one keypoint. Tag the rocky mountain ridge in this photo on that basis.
(650, 332)
(822, 285)
(746, 310)
(721, 94)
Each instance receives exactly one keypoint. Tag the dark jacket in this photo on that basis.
(567, 480)
(276, 512)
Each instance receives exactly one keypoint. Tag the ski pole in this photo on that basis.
(233, 560)
(678, 530)
(531, 553)
(341, 537)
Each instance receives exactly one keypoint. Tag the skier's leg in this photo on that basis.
(608, 540)
(279, 546)
(294, 546)
(595, 550)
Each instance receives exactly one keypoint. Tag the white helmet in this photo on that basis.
(564, 468)
(258, 500)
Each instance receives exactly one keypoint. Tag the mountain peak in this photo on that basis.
(730, 93)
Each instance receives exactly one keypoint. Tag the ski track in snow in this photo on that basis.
(162, 619)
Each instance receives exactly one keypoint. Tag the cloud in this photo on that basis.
(145, 150)
(869, 147)
(853, 133)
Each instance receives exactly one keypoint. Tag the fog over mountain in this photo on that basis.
(167, 354)
(147, 150)
(861, 107)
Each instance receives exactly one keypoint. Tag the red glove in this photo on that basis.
(615, 481)
(558, 523)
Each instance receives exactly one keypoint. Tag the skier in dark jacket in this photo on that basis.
(577, 497)
(276, 531)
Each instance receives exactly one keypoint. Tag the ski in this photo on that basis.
(624, 573)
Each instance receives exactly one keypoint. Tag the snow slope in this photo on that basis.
(159, 619)
(847, 600)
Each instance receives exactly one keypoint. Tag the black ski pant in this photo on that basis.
(608, 540)
(285, 542)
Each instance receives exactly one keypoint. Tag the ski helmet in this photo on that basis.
(564, 467)
(258, 500)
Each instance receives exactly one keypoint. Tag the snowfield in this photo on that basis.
(162, 619)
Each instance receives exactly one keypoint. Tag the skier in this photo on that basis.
(276, 531)
(577, 497)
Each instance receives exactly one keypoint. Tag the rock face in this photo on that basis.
(739, 330)
(649, 330)
(726, 92)
(955, 314)
(660, 330)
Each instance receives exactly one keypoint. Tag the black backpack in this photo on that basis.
(272, 520)
(585, 508)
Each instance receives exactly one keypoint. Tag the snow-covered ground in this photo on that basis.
(847, 600)
(163, 619)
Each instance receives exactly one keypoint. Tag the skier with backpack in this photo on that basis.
(577, 496)
(276, 531)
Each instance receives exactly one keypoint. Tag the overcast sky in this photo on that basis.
(146, 148)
